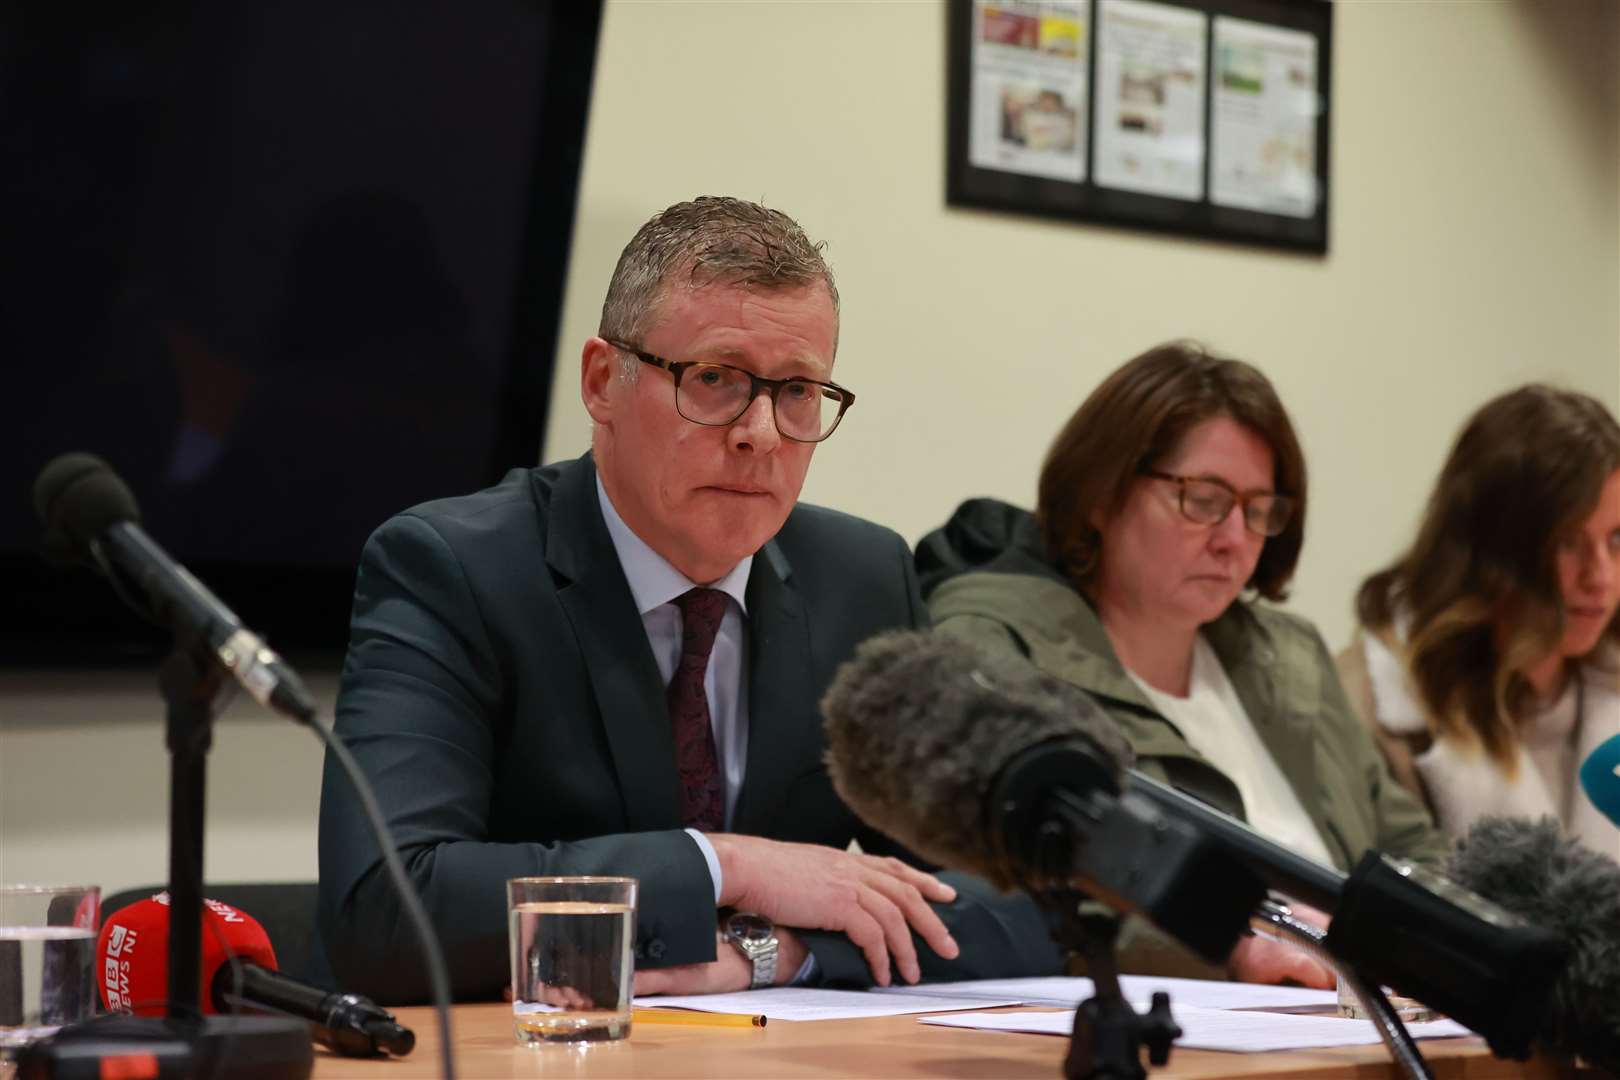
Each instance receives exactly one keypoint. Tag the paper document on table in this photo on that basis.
(1067, 992)
(808, 1003)
(1217, 1029)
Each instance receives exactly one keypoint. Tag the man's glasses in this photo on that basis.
(716, 394)
(1207, 501)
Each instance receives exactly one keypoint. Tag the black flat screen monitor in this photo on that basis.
(289, 268)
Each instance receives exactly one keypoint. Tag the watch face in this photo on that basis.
(748, 927)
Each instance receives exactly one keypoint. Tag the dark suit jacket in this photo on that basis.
(501, 695)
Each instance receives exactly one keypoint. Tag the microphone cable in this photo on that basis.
(1277, 921)
(438, 974)
(427, 939)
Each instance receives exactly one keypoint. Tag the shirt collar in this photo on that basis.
(653, 581)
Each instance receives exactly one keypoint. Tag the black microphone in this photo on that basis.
(986, 764)
(239, 971)
(350, 1024)
(1484, 963)
(964, 756)
(1535, 870)
(90, 516)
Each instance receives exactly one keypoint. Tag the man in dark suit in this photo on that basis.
(613, 665)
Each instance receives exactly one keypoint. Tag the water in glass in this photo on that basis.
(46, 980)
(571, 970)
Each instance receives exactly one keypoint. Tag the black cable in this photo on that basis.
(1275, 915)
(438, 975)
(222, 701)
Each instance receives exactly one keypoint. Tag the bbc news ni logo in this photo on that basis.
(115, 969)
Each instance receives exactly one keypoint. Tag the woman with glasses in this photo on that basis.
(1172, 500)
(1488, 663)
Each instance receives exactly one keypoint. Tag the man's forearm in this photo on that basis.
(374, 950)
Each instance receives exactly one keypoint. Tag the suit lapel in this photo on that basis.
(783, 715)
(618, 660)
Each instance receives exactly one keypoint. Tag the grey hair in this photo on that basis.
(710, 240)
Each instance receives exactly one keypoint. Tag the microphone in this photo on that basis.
(964, 756)
(1532, 868)
(986, 764)
(91, 516)
(133, 959)
(132, 970)
(1600, 778)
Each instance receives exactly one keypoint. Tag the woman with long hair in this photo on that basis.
(1488, 661)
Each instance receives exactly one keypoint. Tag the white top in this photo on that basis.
(1214, 723)
(1549, 740)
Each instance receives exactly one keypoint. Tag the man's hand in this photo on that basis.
(730, 971)
(875, 901)
(1259, 959)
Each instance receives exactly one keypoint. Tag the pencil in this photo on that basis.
(692, 1016)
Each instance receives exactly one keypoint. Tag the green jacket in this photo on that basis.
(986, 579)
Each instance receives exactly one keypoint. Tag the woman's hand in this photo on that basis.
(1259, 959)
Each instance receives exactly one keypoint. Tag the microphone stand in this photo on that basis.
(1109, 1034)
(189, 691)
(183, 1043)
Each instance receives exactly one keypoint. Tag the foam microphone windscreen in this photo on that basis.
(919, 725)
(1535, 871)
(132, 953)
(78, 496)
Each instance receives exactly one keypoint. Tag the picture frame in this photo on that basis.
(1204, 118)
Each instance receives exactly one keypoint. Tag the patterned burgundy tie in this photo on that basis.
(703, 796)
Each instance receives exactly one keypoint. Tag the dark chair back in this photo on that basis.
(286, 910)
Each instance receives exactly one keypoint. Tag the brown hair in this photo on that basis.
(1480, 583)
(710, 240)
(1138, 416)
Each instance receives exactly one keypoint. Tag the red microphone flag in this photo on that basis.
(133, 953)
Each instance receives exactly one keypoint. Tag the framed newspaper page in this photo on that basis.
(1209, 118)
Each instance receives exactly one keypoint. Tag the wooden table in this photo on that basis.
(894, 1046)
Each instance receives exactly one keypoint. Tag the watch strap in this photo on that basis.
(761, 952)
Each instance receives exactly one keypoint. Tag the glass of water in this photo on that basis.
(571, 969)
(47, 959)
(1410, 1010)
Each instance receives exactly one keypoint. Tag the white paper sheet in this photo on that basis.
(1029, 88)
(1067, 992)
(1217, 1029)
(1263, 118)
(807, 1003)
(1149, 129)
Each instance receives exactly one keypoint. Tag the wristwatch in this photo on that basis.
(756, 939)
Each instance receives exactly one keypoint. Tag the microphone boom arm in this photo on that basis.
(1404, 926)
(1061, 818)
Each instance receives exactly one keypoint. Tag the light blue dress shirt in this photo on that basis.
(655, 585)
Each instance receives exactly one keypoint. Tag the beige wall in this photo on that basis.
(1476, 244)
(84, 783)
(1473, 247)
